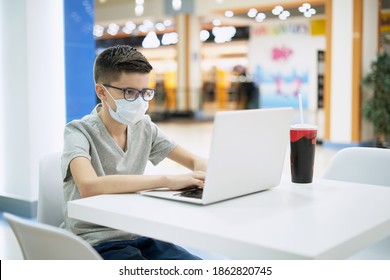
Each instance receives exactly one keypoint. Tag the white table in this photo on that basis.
(323, 220)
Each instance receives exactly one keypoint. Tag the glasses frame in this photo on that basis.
(139, 92)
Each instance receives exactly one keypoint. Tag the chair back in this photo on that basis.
(45, 242)
(50, 196)
(360, 165)
(367, 166)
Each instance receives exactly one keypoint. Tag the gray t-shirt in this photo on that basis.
(89, 138)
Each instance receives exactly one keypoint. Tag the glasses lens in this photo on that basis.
(148, 94)
(131, 94)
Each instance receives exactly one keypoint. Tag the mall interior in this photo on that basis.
(207, 56)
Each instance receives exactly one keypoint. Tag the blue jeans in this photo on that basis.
(142, 248)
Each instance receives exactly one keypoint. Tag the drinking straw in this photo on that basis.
(300, 107)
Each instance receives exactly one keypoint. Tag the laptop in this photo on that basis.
(247, 155)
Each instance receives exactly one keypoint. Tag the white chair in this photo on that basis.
(39, 241)
(44, 239)
(367, 166)
(360, 165)
(50, 197)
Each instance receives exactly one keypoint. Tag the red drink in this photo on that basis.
(302, 144)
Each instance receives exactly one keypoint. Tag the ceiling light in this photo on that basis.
(160, 26)
(176, 5)
(167, 22)
(204, 35)
(229, 14)
(307, 10)
(151, 41)
(216, 22)
(260, 17)
(223, 34)
(129, 27)
(284, 15)
(301, 9)
(148, 24)
(113, 29)
(139, 10)
(142, 28)
(252, 13)
(306, 6)
(126, 30)
(98, 30)
(277, 10)
(170, 38)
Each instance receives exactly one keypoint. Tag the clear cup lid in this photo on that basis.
(304, 126)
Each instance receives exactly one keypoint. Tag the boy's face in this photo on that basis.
(133, 80)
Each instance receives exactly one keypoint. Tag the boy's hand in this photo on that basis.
(193, 179)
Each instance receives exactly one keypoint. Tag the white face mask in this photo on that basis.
(128, 113)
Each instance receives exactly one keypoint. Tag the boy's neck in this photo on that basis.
(114, 128)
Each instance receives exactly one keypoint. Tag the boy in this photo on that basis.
(107, 152)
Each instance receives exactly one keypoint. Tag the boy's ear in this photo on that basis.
(100, 92)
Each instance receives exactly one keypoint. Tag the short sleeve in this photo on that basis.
(162, 145)
(76, 144)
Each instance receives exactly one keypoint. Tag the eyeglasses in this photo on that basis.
(131, 94)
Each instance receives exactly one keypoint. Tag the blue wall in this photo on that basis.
(79, 58)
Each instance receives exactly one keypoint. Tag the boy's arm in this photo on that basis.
(187, 159)
(89, 184)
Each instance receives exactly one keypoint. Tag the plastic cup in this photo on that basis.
(302, 152)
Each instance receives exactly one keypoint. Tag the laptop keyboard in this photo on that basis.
(194, 193)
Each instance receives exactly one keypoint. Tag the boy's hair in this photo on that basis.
(114, 61)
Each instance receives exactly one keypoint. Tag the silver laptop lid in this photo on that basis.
(247, 152)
